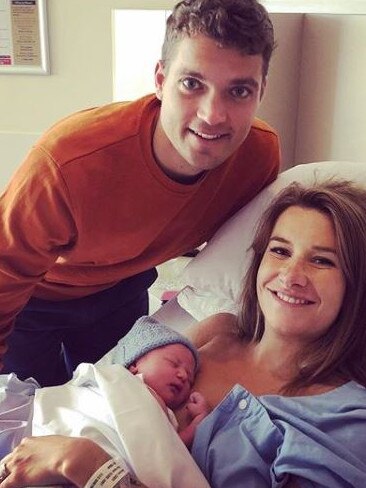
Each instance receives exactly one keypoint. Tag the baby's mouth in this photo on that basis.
(176, 389)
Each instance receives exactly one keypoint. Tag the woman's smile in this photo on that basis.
(291, 299)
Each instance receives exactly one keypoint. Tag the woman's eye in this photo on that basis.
(191, 83)
(279, 251)
(240, 92)
(322, 261)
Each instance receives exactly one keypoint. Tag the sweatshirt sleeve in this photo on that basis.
(36, 227)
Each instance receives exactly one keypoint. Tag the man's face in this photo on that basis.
(209, 96)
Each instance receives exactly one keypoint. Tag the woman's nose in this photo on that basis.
(212, 109)
(293, 274)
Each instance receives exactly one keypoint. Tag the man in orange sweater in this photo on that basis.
(108, 193)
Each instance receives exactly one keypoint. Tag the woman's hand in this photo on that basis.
(52, 460)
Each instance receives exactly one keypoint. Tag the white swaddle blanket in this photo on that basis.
(108, 404)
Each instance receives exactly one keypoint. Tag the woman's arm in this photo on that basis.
(51, 460)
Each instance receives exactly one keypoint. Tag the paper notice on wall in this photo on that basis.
(19, 33)
(6, 48)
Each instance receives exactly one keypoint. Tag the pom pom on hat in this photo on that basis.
(148, 334)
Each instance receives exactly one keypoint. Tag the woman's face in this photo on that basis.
(300, 284)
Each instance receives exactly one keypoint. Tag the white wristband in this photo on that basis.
(109, 475)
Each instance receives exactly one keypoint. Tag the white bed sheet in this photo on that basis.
(165, 464)
(113, 407)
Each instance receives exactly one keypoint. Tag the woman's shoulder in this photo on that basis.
(342, 404)
(219, 327)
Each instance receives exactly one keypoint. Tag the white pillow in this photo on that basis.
(213, 279)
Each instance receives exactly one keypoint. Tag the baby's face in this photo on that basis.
(169, 370)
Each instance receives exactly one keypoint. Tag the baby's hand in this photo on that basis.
(196, 409)
(197, 405)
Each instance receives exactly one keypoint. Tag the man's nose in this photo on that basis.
(212, 109)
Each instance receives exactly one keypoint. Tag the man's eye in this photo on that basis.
(240, 92)
(191, 83)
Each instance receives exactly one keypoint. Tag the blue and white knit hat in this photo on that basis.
(148, 334)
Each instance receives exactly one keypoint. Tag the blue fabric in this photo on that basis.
(16, 410)
(259, 442)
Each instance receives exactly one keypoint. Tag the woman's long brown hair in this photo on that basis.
(341, 351)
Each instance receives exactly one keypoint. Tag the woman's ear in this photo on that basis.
(133, 368)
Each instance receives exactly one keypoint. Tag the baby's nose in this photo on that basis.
(182, 373)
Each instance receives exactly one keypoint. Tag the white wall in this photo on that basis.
(80, 43)
(317, 6)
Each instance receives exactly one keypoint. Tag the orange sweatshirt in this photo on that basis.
(89, 206)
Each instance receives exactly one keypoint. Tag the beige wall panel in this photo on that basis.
(279, 107)
(332, 105)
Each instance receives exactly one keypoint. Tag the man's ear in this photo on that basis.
(133, 368)
(159, 79)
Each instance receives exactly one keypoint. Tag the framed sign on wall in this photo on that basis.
(23, 37)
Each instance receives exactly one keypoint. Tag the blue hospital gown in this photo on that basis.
(256, 442)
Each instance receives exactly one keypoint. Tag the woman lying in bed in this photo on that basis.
(288, 375)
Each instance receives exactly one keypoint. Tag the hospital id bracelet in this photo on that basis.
(110, 475)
